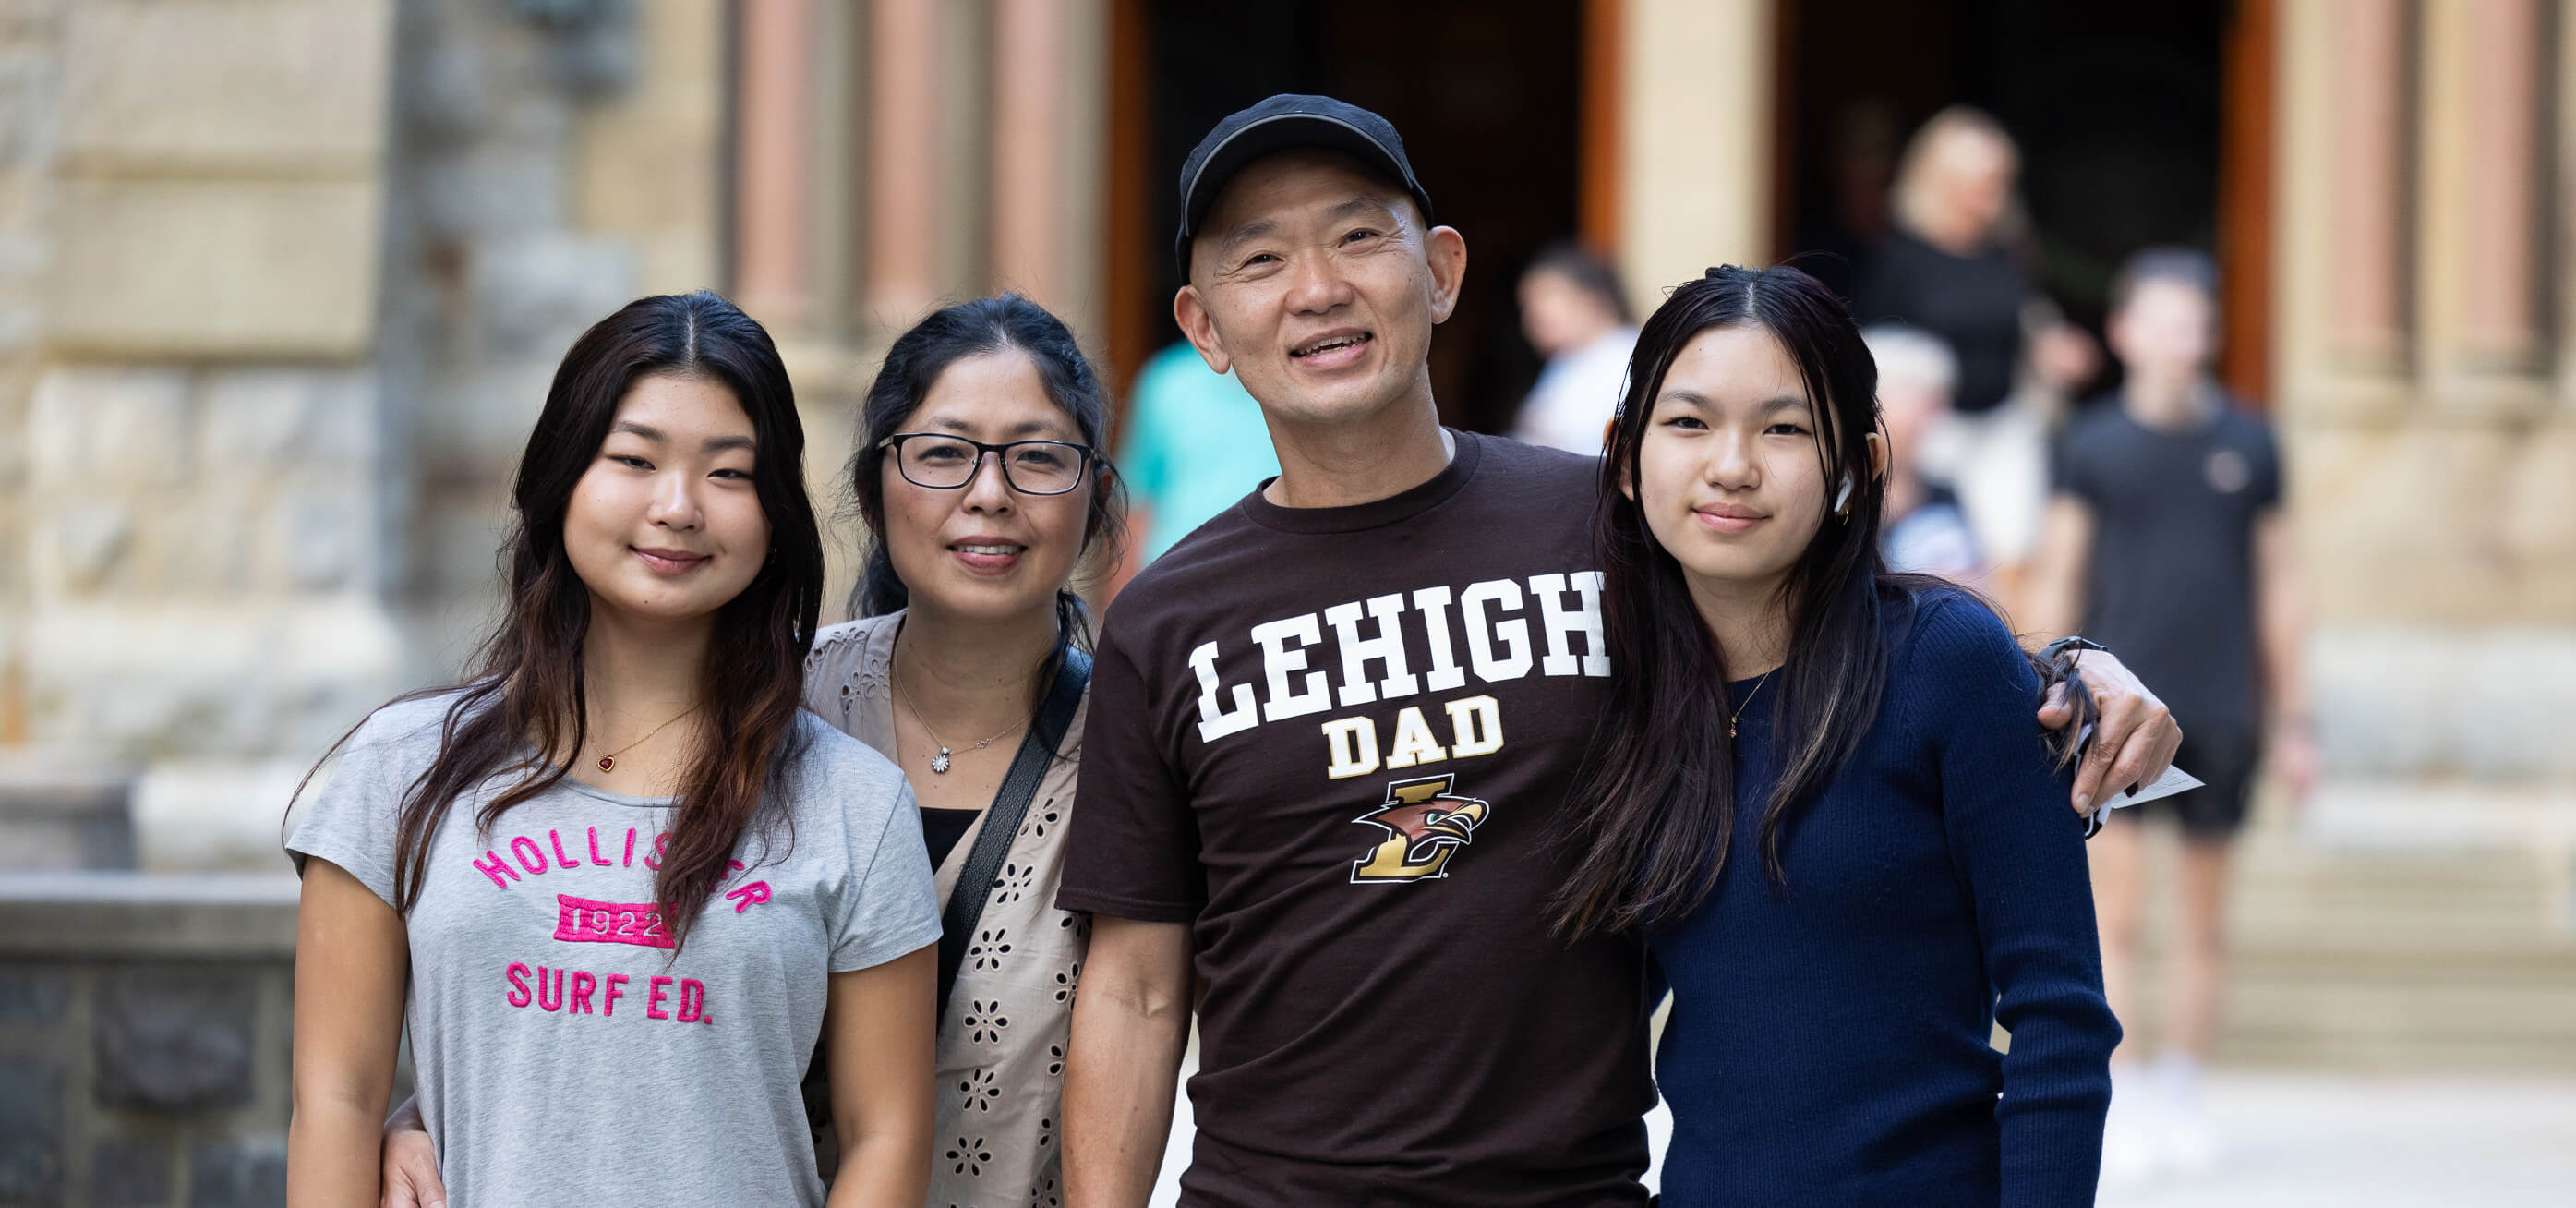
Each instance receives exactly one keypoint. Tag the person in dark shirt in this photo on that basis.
(2166, 536)
(1819, 793)
(1330, 729)
(1950, 267)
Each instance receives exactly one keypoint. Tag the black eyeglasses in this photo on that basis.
(945, 463)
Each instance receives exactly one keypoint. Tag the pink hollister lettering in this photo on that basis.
(583, 921)
(492, 865)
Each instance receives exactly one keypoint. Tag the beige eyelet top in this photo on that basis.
(1002, 1042)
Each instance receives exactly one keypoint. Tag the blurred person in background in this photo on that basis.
(626, 786)
(969, 637)
(1953, 266)
(1575, 312)
(1194, 444)
(2166, 536)
(1926, 531)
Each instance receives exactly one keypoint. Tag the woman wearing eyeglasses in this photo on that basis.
(979, 477)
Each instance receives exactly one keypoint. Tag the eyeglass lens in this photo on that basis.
(1032, 467)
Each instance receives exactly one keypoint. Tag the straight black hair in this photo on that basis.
(1654, 808)
(947, 336)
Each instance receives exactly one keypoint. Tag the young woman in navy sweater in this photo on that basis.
(1822, 798)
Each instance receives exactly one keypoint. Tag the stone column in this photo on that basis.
(1028, 184)
(2481, 178)
(773, 170)
(1695, 138)
(2368, 200)
(904, 162)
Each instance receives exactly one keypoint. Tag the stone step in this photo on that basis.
(2385, 960)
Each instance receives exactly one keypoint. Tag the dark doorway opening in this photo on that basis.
(1485, 93)
(2117, 109)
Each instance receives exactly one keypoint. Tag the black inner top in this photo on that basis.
(941, 829)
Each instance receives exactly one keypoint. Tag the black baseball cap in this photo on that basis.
(1286, 121)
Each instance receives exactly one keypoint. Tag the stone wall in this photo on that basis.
(282, 283)
(554, 159)
(145, 1027)
(191, 487)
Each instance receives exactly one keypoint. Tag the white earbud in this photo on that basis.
(1842, 498)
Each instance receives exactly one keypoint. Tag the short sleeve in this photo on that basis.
(1132, 850)
(2266, 456)
(354, 815)
(891, 908)
(2067, 472)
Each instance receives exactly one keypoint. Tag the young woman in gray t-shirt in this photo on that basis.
(618, 884)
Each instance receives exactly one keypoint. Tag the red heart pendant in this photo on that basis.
(608, 763)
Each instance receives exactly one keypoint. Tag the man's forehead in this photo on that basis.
(1304, 175)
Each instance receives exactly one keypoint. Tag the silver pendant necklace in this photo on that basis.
(939, 762)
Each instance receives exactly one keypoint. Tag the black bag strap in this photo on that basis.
(1002, 819)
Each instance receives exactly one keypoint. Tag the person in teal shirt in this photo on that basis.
(1195, 444)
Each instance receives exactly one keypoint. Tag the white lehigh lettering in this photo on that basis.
(1279, 660)
(1480, 716)
(1352, 743)
(1483, 633)
(1387, 647)
(1445, 673)
(1561, 624)
(1413, 741)
(1216, 721)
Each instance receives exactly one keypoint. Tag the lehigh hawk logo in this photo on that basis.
(1425, 824)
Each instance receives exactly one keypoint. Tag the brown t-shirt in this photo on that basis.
(1358, 832)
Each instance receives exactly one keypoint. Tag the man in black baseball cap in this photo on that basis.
(1328, 737)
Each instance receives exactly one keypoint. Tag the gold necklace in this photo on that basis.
(1737, 714)
(939, 762)
(608, 762)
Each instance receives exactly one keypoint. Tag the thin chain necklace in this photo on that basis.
(1737, 714)
(939, 762)
(608, 762)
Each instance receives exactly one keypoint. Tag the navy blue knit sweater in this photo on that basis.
(1828, 1045)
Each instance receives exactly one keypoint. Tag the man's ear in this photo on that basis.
(1446, 251)
(1191, 313)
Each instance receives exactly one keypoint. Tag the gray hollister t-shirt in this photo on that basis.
(562, 1055)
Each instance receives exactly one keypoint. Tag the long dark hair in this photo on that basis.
(949, 335)
(1654, 808)
(527, 687)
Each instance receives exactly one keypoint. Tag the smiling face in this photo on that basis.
(984, 551)
(666, 525)
(1315, 283)
(1729, 478)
